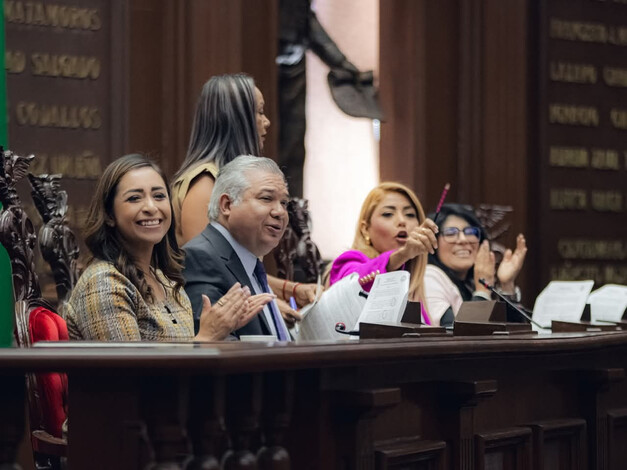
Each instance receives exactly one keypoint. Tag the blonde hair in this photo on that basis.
(416, 266)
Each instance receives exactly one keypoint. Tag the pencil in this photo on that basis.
(447, 186)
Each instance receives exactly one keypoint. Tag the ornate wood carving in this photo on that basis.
(559, 444)
(243, 409)
(57, 242)
(164, 398)
(596, 387)
(16, 229)
(494, 219)
(411, 453)
(296, 246)
(616, 432)
(356, 411)
(278, 397)
(507, 449)
(206, 422)
(458, 402)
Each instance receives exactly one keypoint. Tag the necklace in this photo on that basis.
(153, 275)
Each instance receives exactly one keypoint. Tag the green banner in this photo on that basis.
(4, 138)
(7, 304)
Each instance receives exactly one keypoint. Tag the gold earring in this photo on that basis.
(367, 238)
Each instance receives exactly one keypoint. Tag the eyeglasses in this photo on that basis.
(451, 234)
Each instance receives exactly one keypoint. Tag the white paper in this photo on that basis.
(387, 299)
(340, 303)
(562, 301)
(608, 303)
(307, 308)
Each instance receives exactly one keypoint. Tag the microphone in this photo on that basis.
(341, 328)
(511, 304)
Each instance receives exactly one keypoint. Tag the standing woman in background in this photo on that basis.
(392, 234)
(229, 122)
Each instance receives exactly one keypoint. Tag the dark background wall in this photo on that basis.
(464, 86)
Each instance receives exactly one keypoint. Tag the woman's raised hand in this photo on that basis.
(484, 266)
(290, 316)
(304, 293)
(512, 264)
(422, 240)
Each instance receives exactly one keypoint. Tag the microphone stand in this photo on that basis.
(341, 328)
(511, 304)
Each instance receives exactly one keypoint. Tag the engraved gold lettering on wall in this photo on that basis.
(569, 157)
(573, 115)
(572, 73)
(85, 165)
(581, 248)
(619, 118)
(66, 66)
(605, 159)
(607, 201)
(584, 88)
(59, 116)
(54, 15)
(578, 31)
(568, 199)
(613, 76)
(14, 61)
(600, 274)
(617, 35)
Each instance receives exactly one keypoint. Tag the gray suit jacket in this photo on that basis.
(211, 268)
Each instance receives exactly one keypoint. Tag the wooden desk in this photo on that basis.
(557, 401)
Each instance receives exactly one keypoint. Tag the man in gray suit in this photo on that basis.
(247, 218)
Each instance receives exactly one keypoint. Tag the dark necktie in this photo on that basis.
(262, 278)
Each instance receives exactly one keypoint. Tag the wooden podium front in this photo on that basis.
(521, 402)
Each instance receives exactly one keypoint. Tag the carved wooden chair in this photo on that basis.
(296, 248)
(494, 219)
(35, 319)
(57, 242)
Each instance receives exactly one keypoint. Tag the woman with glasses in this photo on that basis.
(463, 257)
(392, 233)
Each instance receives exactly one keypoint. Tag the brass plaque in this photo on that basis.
(582, 130)
(62, 64)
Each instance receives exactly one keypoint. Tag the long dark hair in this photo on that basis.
(103, 239)
(466, 286)
(225, 123)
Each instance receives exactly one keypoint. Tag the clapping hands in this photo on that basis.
(234, 310)
(508, 269)
(512, 264)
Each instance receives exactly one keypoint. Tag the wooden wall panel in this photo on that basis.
(176, 47)
(418, 90)
(504, 160)
(454, 79)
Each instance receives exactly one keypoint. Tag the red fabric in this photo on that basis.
(44, 325)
